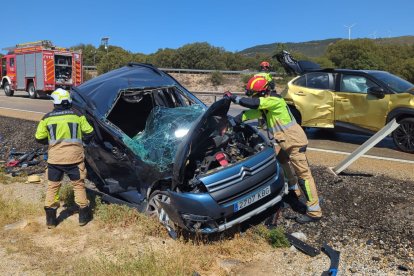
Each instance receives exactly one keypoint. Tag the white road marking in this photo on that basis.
(367, 156)
(15, 109)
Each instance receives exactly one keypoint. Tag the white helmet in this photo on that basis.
(60, 95)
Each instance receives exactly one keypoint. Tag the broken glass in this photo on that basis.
(164, 130)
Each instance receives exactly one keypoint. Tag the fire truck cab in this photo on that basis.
(40, 67)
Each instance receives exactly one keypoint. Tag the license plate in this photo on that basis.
(252, 199)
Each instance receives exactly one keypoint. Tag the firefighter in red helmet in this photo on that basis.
(290, 141)
(265, 72)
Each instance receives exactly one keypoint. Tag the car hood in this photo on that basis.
(206, 125)
(99, 94)
(294, 67)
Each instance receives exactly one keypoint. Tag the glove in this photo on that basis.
(230, 96)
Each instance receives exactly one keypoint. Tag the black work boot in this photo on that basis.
(302, 219)
(294, 202)
(84, 215)
(51, 221)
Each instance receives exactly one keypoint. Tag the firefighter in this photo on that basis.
(265, 72)
(290, 140)
(63, 130)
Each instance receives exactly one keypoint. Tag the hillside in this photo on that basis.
(316, 48)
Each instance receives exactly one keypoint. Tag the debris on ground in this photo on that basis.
(20, 154)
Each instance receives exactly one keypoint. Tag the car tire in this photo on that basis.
(155, 210)
(32, 91)
(403, 136)
(7, 89)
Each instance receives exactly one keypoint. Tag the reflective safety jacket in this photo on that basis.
(63, 130)
(280, 122)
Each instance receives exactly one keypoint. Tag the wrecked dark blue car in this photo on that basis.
(160, 149)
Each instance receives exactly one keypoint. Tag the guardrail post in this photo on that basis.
(387, 129)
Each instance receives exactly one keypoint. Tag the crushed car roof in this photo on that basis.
(100, 92)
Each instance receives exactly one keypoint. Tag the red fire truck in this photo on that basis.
(40, 67)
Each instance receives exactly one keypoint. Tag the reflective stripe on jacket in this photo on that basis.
(265, 75)
(63, 130)
(280, 122)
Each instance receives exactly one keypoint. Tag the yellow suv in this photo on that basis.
(356, 100)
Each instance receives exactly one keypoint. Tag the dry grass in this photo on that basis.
(8, 179)
(119, 240)
(14, 210)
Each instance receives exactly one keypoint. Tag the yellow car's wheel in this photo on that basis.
(404, 135)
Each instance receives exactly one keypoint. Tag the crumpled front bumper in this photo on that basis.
(199, 212)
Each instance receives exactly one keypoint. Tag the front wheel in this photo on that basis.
(155, 210)
(7, 89)
(403, 136)
(32, 91)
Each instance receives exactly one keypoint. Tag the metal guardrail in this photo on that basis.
(381, 134)
(215, 94)
(89, 67)
(199, 71)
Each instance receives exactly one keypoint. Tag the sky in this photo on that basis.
(144, 26)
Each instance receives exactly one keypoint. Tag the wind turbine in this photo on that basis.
(349, 30)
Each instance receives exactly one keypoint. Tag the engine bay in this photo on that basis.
(226, 146)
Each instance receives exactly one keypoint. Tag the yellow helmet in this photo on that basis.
(60, 95)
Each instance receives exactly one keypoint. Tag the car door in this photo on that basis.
(109, 159)
(312, 95)
(355, 107)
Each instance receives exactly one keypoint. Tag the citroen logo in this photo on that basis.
(244, 171)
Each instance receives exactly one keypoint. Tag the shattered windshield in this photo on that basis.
(164, 130)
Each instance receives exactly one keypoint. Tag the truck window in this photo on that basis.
(3, 67)
(11, 62)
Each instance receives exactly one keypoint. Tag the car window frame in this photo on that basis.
(340, 76)
(331, 83)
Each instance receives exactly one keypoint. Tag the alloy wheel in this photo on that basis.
(155, 209)
(404, 135)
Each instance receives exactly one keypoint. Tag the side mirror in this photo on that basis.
(377, 92)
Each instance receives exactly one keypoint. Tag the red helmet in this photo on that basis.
(257, 85)
(264, 65)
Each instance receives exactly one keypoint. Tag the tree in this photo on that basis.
(407, 71)
(88, 53)
(115, 58)
(201, 56)
(356, 54)
(166, 58)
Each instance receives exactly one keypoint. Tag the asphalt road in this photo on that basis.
(320, 139)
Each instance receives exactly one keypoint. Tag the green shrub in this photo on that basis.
(216, 78)
(275, 237)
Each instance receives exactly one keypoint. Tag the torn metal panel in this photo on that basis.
(315, 106)
(366, 110)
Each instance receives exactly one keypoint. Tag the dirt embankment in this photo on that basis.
(202, 83)
(368, 217)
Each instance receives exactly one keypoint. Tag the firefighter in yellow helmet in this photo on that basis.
(63, 130)
(289, 137)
